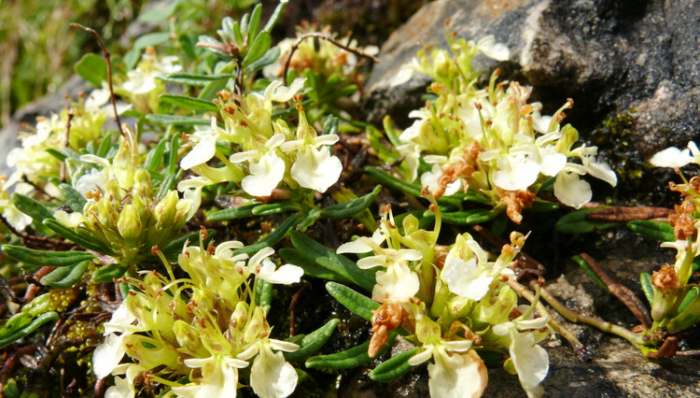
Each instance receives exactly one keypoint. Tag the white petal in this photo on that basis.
(371, 262)
(492, 49)
(226, 249)
(326, 139)
(421, 357)
(602, 171)
(410, 255)
(572, 190)
(281, 345)
(530, 360)
(281, 93)
(284, 275)
(397, 284)
(457, 345)
(530, 324)
(264, 176)
(121, 389)
(359, 245)
(316, 169)
(458, 375)
(671, 157)
(122, 320)
(516, 172)
(465, 279)
(271, 376)
(258, 257)
(201, 153)
(107, 355)
(552, 161)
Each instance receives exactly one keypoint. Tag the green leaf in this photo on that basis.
(108, 273)
(57, 154)
(210, 90)
(270, 57)
(647, 287)
(468, 217)
(357, 303)
(311, 269)
(65, 276)
(190, 79)
(233, 213)
(81, 237)
(577, 222)
(92, 68)
(45, 257)
(177, 120)
(330, 260)
(258, 48)
(591, 274)
(656, 230)
(394, 367)
(29, 329)
(263, 294)
(347, 359)
(159, 11)
(189, 103)
(313, 342)
(74, 199)
(31, 207)
(254, 24)
(275, 236)
(688, 299)
(274, 208)
(351, 208)
(276, 14)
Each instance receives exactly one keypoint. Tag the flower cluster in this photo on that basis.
(142, 86)
(492, 140)
(71, 130)
(321, 57)
(266, 150)
(194, 334)
(675, 305)
(453, 301)
(121, 209)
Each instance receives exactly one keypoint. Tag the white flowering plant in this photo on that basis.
(214, 219)
(489, 145)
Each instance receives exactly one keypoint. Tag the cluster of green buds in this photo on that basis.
(260, 151)
(675, 302)
(121, 213)
(451, 303)
(193, 335)
(491, 140)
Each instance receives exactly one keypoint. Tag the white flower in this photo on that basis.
(205, 147)
(467, 271)
(529, 359)
(124, 387)
(572, 190)
(397, 283)
(431, 179)
(72, 220)
(93, 180)
(143, 79)
(413, 131)
(518, 169)
(457, 371)
(219, 378)
(16, 218)
(314, 167)
(266, 168)
(676, 158)
(271, 376)
(191, 189)
(489, 47)
(276, 91)
(110, 352)
(260, 265)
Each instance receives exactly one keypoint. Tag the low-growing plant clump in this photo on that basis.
(154, 228)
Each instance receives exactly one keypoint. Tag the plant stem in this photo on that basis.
(602, 325)
(560, 329)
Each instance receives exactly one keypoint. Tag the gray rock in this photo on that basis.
(632, 58)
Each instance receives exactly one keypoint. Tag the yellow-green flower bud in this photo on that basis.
(166, 210)
(142, 184)
(129, 224)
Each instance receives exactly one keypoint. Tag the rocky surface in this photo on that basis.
(630, 60)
